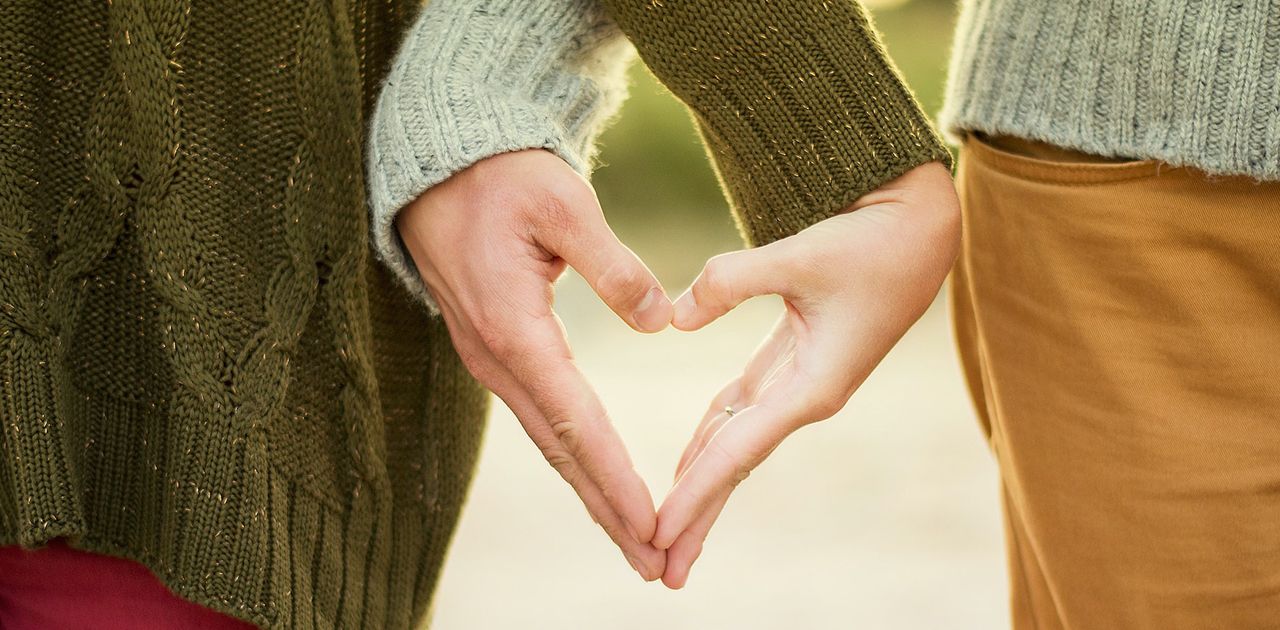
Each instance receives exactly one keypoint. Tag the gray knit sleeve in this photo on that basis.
(475, 78)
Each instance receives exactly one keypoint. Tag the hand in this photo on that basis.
(489, 242)
(852, 284)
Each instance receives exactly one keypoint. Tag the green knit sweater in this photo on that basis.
(203, 367)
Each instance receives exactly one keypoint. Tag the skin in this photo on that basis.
(491, 241)
(852, 285)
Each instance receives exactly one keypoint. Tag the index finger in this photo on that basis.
(541, 362)
(736, 448)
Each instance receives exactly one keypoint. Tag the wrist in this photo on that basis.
(475, 79)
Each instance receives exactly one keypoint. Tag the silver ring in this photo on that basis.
(729, 410)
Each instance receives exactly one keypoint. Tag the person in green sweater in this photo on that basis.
(207, 370)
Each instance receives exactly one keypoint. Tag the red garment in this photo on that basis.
(60, 587)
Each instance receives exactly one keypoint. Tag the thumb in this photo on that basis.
(726, 281)
(612, 270)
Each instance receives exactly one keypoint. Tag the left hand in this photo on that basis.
(852, 284)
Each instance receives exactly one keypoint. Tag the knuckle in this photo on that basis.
(715, 280)
(559, 203)
(624, 282)
(500, 329)
(562, 462)
(495, 339)
(475, 364)
(569, 434)
(553, 209)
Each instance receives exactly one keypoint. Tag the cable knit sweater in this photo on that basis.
(1185, 81)
(203, 368)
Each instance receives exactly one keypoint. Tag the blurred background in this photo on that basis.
(885, 516)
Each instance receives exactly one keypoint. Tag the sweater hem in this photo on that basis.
(1188, 84)
(320, 561)
(958, 128)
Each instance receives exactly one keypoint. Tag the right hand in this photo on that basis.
(489, 243)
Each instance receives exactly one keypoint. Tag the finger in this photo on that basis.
(585, 241)
(728, 280)
(699, 442)
(726, 398)
(739, 445)
(647, 560)
(581, 425)
(688, 546)
(540, 361)
(769, 357)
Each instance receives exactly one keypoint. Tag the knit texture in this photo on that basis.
(476, 78)
(799, 105)
(1187, 82)
(202, 368)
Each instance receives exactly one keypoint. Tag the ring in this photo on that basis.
(729, 410)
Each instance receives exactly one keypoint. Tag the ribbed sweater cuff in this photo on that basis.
(475, 78)
(801, 107)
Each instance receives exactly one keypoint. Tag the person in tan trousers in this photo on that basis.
(1117, 303)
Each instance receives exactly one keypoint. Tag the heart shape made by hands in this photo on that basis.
(490, 241)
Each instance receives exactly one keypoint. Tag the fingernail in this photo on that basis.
(684, 307)
(651, 315)
(635, 564)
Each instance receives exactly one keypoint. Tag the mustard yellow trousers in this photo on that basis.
(1119, 326)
